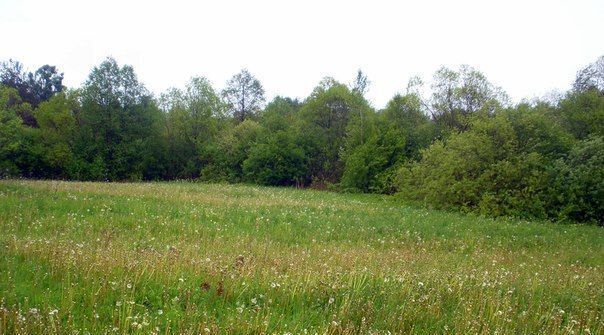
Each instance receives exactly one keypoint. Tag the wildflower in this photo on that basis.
(331, 300)
(160, 312)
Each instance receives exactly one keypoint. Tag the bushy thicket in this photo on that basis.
(462, 146)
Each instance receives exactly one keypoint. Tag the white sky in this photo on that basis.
(527, 47)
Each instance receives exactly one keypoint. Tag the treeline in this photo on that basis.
(455, 143)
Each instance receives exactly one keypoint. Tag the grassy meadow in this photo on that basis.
(189, 258)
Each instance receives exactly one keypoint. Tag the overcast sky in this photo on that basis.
(527, 47)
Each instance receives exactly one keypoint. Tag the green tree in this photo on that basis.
(33, 87)
(582, 113)
(579, 185)
(120, 125)
(406, 114)
(277, 160)
(325, 117)
(230, 150)
(244, 95)
(57, 124)
(457, 95)
(12, 132)
(590, 77)
(194, 118)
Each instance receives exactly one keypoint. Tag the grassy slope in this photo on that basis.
(195, 258)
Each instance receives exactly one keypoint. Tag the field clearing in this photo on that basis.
(159, 258)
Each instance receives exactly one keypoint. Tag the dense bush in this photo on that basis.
(516, 163)
(580, 182)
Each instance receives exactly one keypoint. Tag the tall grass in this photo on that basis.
(160, 258)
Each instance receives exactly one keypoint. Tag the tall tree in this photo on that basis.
(591, 77)
(44, 83)
(12, 132)
(33, 87)
(326, 116)
(459, 94)
(194, 116)
(244, 95)
(361, 83)
(120, 125)
(57, 126)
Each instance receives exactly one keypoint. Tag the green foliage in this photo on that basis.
(457, 95)
(14, 139)
(243, 95)
(463, 147)
(325, 116)
(33, 87)
(579, 182)
(383, 142)
(120, 124)
(193, 120)
(278, 160)
(582, 113)
(11, 133)
(501, 166)
(230, 150)
(57, 129)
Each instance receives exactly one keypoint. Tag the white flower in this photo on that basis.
(331, 300)
(160, 312)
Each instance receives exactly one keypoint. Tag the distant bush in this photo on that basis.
(276, 161)
(517, 163)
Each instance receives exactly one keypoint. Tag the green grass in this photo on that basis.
(157, 258)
